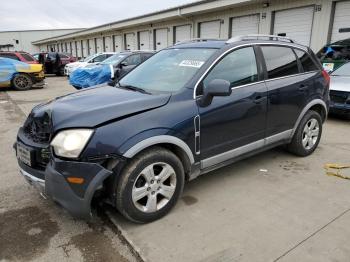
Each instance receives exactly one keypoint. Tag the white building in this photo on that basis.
(309, 22)
(22, 40)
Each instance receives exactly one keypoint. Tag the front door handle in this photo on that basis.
(258, 99)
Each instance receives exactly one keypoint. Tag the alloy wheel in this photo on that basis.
(21, 82)
(310, 134)
(154, 187)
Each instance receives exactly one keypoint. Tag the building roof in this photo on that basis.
(183, 11)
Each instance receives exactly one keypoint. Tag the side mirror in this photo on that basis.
(216, 87)
(122, 64)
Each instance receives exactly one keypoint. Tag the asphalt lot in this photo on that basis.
(271, 207)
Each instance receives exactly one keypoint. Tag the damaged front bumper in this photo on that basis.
(53, 183)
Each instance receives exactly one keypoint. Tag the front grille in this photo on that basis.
(38, 129)
(338, 96)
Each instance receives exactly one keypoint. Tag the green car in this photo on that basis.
(334, 55)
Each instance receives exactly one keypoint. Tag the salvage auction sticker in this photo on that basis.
(191, 63)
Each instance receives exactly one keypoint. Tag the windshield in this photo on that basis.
(167, 71)
(87, 59)
(344, 70)
(114, 59)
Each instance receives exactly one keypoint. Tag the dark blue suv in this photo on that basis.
(189, 109)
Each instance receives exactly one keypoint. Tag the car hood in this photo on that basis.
(340, 83)
(76, 64)
(95, 106)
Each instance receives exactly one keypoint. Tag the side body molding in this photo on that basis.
(159, 140)
(306, 108)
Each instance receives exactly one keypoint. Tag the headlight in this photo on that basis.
(70, 143)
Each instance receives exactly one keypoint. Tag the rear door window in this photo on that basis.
(280, 61)
(306, 61)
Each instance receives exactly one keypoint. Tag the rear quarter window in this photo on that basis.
(306, 61)
(280, 61)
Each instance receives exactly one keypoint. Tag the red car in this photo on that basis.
(54, 62)
(19, 56)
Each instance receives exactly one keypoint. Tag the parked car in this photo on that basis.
(340, 91)
(90, 60)
(187, 110)
(110, 69)
(54, 62)
(19, 56)
(20, 76)
(334, 55)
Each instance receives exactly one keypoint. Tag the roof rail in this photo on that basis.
(257, 37)
(196, 40)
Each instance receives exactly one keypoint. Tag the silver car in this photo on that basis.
(340, 91)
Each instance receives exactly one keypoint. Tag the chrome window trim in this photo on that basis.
(284, 77)
(237, 47)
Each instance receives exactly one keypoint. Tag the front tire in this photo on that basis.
(22, 82)
(307, 136)
(150, 185)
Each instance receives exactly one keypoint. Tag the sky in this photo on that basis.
(49, 14)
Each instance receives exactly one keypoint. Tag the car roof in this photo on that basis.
(238, 41)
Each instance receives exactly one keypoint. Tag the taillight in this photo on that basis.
(326, 77)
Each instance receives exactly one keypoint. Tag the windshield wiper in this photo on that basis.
(134, 88)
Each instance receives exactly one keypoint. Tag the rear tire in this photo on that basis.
(60, 71)
(150, 185)
(307, 136)
(22, 82)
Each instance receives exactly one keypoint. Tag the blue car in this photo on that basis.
(189, 109)
(112, 68)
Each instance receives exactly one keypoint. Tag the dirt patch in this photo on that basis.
(95, 246)
(189, 200)
(25, 233)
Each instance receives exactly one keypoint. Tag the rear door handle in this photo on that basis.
(302, 87)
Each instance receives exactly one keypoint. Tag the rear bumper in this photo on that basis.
(339, 109)
(76, 199)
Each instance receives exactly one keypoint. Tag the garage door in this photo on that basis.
(341, 24)
(161, 38)
(182, 33)
(78, 48)
(91, 45)
(245, 25)
(144, 40)
(85, 48)
(130, 41)
(295, 23)
(210, 29)
(108, 44)
(99, 45)
(74, 50)
(118, 43)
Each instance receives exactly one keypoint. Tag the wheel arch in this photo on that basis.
(317, 105)
(174, 144)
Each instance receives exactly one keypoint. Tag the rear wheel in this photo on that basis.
(150, 185)
(308, 134)
(22, 82)
(60, 71)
